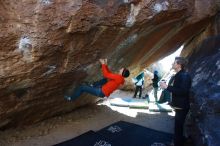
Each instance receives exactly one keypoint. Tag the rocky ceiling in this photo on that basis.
(48, 46)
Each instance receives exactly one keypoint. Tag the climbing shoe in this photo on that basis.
(68, 98)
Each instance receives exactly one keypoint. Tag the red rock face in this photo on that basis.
(48, 46)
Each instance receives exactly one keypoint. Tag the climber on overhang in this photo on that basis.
(105, 86)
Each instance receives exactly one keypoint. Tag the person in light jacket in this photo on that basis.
(139, 85)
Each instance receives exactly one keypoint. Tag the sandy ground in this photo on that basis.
(92, 117)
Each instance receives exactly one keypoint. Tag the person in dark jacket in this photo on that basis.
(155, 81)
(180, 91)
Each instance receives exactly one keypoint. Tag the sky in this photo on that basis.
(167, 61)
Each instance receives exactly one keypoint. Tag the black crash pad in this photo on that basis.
(89, 138)
(121, 134)
(128, 134)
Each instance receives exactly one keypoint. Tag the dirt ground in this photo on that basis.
(92, 117)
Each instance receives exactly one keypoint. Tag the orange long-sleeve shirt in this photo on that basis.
(114, 81)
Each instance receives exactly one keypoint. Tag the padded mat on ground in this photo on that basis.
(129, 102)
(127, 134)
(120, 134)
(115, 130)
(159, 107)
(89, 138)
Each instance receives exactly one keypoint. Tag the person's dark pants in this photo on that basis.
(155, 93)
(179, 126)
(95, 89)
(100, 83)
(138, 88)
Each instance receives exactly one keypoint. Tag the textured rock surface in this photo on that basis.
(206, 88)
(48, 46)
